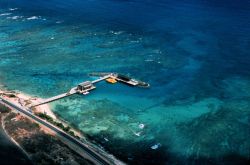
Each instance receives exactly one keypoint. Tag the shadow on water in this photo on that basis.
(140, 153)
(134, 152)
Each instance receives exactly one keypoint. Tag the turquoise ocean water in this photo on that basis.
(195, 55)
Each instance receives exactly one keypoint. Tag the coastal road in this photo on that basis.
(97, 158)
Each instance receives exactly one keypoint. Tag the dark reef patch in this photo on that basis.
(220, 137)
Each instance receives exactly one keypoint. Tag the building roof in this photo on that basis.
(86, 83)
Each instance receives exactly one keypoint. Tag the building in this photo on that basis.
(85, 86)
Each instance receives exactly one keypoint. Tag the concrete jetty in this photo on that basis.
(85, 87)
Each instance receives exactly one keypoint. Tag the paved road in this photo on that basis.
(84, 147)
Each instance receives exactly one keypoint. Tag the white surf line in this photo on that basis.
(13, 9)
(5, 14)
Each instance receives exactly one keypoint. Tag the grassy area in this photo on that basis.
(42, 148)
(11, 95)
(4, 109)
(58, 124)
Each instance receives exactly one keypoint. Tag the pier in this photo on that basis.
(85, 87)
(54, 98)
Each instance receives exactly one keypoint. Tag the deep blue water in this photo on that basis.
(195, 55)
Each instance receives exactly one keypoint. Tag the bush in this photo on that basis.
(36, 125)
(44, 116)
(58, 124)
(66, 129)
(12, 95)
(72, 133)
(4, 109)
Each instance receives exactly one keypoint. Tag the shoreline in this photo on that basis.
(24, 100)
(30, 137)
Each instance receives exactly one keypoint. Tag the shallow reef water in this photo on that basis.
(194, 54)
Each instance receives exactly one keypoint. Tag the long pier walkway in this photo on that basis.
(71, 92)
(54, 98)
(85, 87)
(101, 79)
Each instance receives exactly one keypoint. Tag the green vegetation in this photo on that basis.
(11, 95)
(72, 133)
(24, 123)
(42, 148)
(46, 117)
(66, 129)
(58, 124)
(4, 109)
